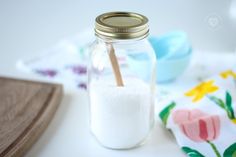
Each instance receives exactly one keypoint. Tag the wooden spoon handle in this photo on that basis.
(115, 65)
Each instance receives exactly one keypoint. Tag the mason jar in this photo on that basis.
(121, 80)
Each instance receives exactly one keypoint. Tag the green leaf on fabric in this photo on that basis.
(230, 151)
(191, 152)
(164, 114)
(214, 148)
(229, 105)
(218, 101)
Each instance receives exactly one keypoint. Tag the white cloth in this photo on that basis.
(65, 62)
(205, 127)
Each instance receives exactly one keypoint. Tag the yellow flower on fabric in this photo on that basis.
(228, 73)
(234, 121)
(201, 90)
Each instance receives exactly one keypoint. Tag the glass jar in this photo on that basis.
(121, 80)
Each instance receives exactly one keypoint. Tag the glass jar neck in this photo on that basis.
(112, 40)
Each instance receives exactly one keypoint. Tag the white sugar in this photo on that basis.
(121, 117)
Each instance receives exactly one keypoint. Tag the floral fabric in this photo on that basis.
(203, 119)
(65, 62)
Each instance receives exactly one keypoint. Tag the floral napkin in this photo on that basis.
(65, 62)
(203, 119)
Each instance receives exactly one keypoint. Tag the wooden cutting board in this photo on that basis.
(26, 108)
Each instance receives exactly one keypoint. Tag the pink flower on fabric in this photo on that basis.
(197, 125)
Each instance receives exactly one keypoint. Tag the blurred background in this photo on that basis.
(27, 26)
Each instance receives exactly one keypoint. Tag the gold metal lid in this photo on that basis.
(121, 25)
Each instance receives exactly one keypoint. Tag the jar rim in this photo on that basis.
(121, 25)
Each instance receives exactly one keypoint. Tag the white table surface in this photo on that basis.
(30, 26)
